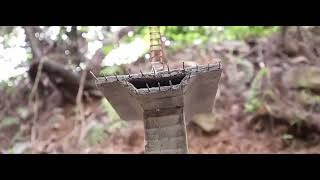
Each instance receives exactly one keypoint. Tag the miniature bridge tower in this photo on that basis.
(166, 100)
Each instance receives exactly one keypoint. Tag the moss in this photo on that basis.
(109, 110)
(96, 134)
(111, 70)
(254, 102)
(8, 121)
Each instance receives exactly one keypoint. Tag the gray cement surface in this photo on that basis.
(165, 100)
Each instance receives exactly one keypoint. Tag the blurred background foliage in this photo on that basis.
(268, 77)
(174, 37)
(178, 37)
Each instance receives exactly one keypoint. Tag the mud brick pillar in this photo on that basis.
(166, 101)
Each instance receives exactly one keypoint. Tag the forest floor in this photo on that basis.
(256, 111)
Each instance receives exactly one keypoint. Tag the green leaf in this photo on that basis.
(107, 49)
(9, 121)
(11, 151)
(23, 112)
(29, 57)
(254, 102)
(3, 84)
(253, 105)
(109, 110)
(84, 29)
(114, 125)
(111, 70)
(19, 148)
(287, 137)
(96, 134)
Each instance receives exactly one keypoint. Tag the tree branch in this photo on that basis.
(34, 42)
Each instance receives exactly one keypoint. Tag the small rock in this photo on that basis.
(240, 73)
(299, 59)
(235, 110)
(56, 126)
(53, 138)
(208, 122)
(307, 77)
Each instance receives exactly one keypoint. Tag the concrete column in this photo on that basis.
(165, 131)
(166, 101)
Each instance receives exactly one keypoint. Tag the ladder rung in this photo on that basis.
(160, 56)
(155, 45)
(157, 52)
(155, 40)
